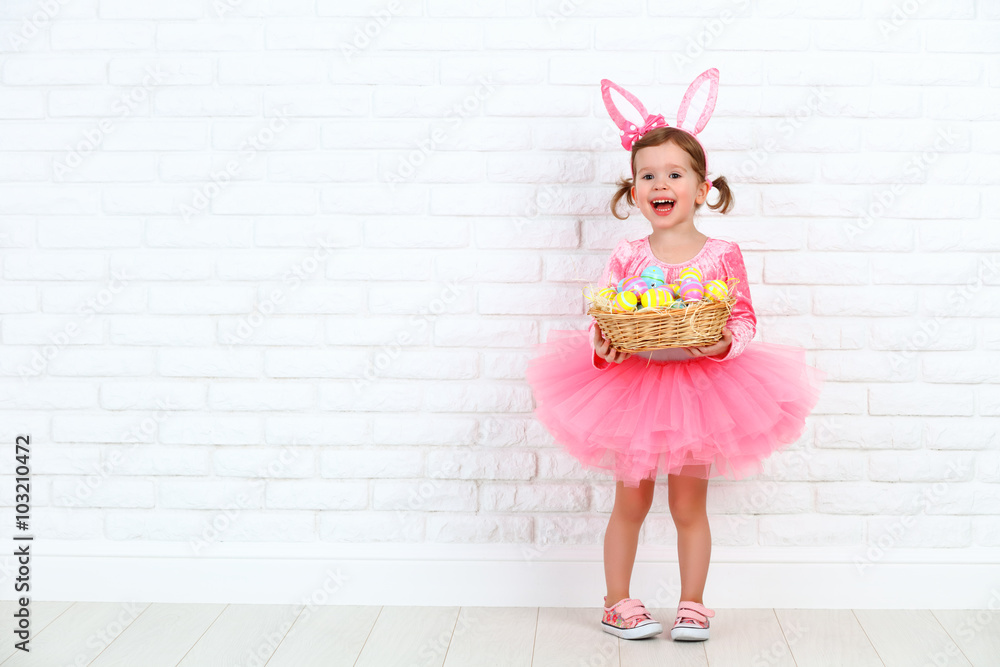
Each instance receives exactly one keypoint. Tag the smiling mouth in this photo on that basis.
(663, 205)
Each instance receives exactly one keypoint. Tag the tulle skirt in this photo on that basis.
(696, 417)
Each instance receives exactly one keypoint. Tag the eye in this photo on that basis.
(675, 174)
(647, 176)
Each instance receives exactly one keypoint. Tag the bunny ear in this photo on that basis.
(613, 111)
(630, 131)
(712, 77)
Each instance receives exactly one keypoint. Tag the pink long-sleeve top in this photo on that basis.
(717, 259)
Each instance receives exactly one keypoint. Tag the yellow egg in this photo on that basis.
(624, 302)
(692, 272)
(658, 296)
(607, 293)
(716, 290)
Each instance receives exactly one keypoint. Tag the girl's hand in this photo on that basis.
(604, 349)
(719, 348)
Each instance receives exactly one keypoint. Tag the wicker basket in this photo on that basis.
(699, 323)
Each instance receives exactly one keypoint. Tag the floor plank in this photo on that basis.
(104, 634)
(326, 637)
(243, 634)
(160, 637)
(905, 637)
(975, 632)
(78, 635)
(827, 638)
(417, 635)
(493, 637)
(41, 614)
(742, 637)
(662, 650)
(573, 637)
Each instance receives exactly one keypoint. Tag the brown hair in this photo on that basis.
(690, 145)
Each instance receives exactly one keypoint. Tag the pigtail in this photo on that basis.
(726, 200)
(624, 190)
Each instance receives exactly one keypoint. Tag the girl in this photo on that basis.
(691, 412)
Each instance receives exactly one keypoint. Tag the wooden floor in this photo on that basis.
(101, 634)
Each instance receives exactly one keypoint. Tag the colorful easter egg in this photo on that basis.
(691, 272)
(633, 284)
(624, 302)
(607, 293)
(653, 275)
(692, 290)
(657, 297)
(716, 290)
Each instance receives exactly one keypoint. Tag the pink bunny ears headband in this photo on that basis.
(631, 134)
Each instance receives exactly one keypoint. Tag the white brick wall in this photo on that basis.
(272, 270)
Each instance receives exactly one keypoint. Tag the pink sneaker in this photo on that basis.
(629, 619)
(691, 623)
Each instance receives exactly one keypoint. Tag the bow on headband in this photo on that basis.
(631, 134)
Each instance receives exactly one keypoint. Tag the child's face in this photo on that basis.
(664, 172)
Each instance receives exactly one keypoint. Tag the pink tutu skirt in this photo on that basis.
(694, 417)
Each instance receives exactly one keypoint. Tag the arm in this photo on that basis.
(612, 274)
(742, 320)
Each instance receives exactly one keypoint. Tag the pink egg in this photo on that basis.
(633, 284)
(692, 290)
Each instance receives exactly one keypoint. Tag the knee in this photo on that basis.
(634, 512)
(686, 511)
(632, 506)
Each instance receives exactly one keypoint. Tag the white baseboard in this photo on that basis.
(500, 575)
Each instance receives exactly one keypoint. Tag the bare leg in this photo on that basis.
(687, 497)
(622, 536)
